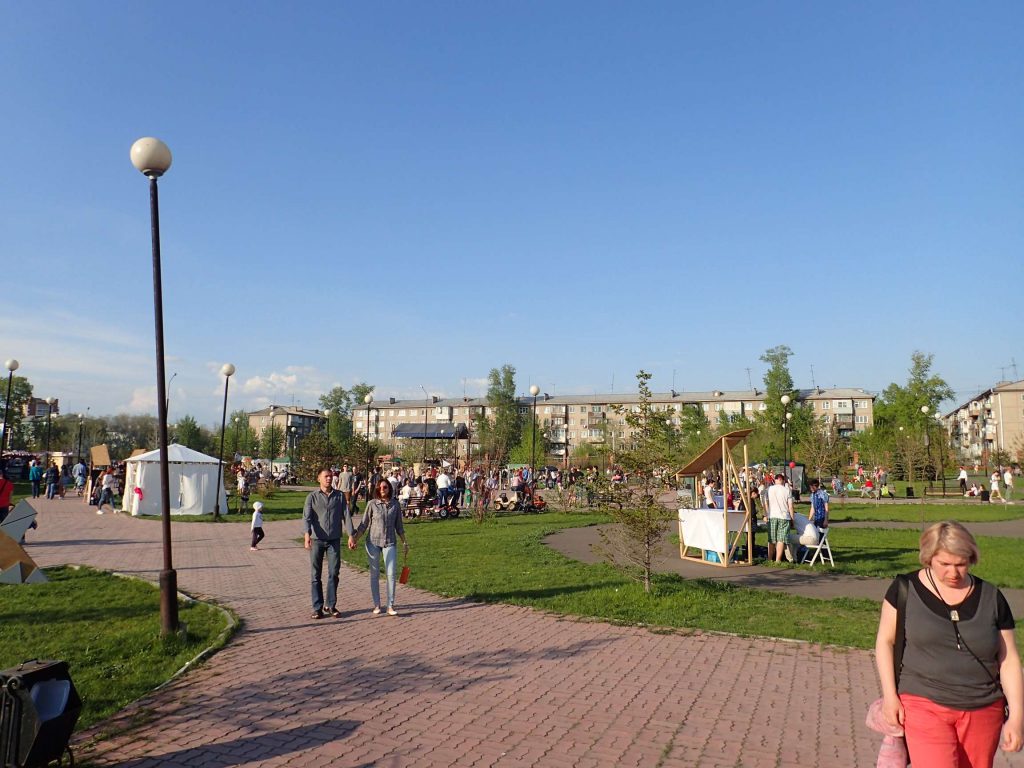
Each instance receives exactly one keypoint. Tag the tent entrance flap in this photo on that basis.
(431, 431)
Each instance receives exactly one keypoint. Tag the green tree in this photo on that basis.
(501, 429)
(641, 522)
(21, 392)
(778, 382)
(271, 441)
(240, 436)
(188, 433)
(524, 450)
(900, 405)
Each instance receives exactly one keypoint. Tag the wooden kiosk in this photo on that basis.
(712, 536)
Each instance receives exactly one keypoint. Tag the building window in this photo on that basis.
(862, 419)
(718, 406)
(842, 404)
(825, 405)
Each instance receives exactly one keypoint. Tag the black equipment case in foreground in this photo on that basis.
(39, 707)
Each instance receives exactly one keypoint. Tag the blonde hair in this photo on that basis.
(948, 536)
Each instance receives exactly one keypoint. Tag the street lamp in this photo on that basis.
(228, 370)
(426, 408)
(153, 158)
(327, 415)
(369, 399)
(927, 442)
(238, 423)
(534, 390)
(11, 366)
(49, 412)
(785, 400)
(81, 423)
(291, 453)
(272, 440)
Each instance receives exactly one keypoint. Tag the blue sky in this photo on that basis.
(413, 193)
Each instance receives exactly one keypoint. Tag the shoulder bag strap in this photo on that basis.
(902, 587)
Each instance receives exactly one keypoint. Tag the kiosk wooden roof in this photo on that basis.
(735, 524)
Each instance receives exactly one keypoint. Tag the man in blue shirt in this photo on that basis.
(323, 517)
(819, 505)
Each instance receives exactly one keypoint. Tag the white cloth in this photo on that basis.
(257, 520)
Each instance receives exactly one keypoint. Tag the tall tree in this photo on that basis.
(21, 392)
(900, 406)
(641, 521)
(188, 433)
(502, 428)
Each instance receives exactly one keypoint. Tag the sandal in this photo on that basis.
(317, 615)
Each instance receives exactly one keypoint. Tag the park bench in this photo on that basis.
(949, 493)
(417, 506)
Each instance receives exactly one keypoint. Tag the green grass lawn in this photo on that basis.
(106, 628)
(883, 553)
(864, 510)
(282, 505)
(504, 561)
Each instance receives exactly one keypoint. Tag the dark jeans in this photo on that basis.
(35, 488)
(257, 537)
(317, 549)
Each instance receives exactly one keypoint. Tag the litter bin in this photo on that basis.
(910, 491)
(985, 495)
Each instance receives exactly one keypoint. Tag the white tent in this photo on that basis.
(193, 483)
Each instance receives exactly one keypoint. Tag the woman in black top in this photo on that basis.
(960, 664)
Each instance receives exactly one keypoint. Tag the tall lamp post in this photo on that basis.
(153, 158)
(368, 399)
(49, 413)
(327, 429)
(228, 370)
(534, 390)
(291, 454)
(238, 423)
(271, 441)
(11, 366)
(785, 400)
(927, 442)
(426, 407)
(81, 423)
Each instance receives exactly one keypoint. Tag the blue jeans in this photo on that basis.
(35, 488)
(373, 553)
(332, 548)
(51, 490)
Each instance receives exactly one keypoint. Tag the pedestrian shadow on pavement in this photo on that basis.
(255, 746)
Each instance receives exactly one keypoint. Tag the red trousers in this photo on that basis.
(940, 737)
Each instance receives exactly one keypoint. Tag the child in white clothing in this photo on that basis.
(257, 525)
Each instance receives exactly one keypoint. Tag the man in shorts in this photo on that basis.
(780, 516)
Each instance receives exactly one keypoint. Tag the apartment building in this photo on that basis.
(573, 419)
(302, 420)
(991, 420)
(37, 407)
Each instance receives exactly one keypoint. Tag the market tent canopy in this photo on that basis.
(176, 454)
(712, 456)
(432, 431)
(192, 477)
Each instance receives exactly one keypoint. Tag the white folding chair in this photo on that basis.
(821, 549)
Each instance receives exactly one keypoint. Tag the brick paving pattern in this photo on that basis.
(450, 682)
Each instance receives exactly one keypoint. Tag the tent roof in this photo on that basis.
(176, 454)
(431, 431)
(713, 453)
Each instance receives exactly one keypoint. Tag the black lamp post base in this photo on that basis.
(168, 602)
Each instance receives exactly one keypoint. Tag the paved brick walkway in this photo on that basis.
(451, 682)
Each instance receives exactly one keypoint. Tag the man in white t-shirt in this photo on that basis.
(780, 515)
(1008, 482)
(443, 484)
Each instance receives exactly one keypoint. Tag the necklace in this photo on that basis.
(954, 615)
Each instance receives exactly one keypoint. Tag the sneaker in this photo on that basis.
(99, 511)
(376, 610)
(317, 615)
(392, 611)
(254, 549)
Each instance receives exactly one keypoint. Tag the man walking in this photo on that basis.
(780, 516)
(1008, 482)
(323, 516)
(344, 484)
